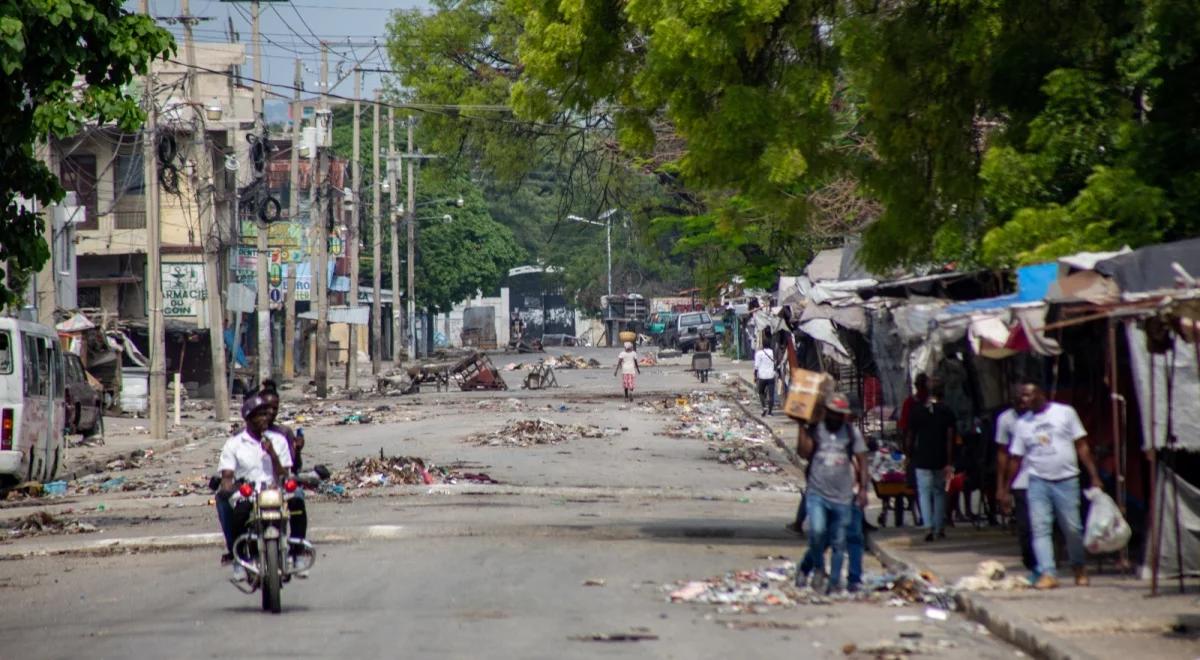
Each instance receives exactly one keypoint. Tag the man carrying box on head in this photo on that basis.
(830, 446)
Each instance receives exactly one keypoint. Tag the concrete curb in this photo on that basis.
(1002, 619)
(791, 462)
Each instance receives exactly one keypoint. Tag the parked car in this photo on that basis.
(683, 332)
(84, 403)
(658, 324)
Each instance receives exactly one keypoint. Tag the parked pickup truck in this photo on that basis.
(686, 328)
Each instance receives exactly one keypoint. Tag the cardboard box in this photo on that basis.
(807, 394)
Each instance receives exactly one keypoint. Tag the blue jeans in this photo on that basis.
(855, 542)
(827, 524)
(1049, 500)
(931, 493)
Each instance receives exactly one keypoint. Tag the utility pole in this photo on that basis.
(289, 322)
(412, 239)
(321, 276)
(262, 251)
(158, 374)
(352, 239)
(208, 233)
(376, 248)
(398, 327)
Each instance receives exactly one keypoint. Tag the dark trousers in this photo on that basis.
(1024, 532)
(766, 393)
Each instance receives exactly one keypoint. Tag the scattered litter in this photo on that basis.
(372, 472)
(43, 523)
(568, 361)
(55, 488)
(615, 637)
(530, 432)
(990, 575)
(936, 614)
(732, 438)
(113, 484)
(594, 582)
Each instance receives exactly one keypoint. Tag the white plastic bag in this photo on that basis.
(1106, 529)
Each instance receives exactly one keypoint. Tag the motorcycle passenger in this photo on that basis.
(255, 455)
(297, 511)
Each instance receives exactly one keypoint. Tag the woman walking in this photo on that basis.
(627, 365)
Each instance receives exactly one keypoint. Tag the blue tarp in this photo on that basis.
(1033, 282)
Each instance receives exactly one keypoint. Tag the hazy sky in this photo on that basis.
(293, 30)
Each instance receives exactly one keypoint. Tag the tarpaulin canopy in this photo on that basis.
(1150, 268)
(1032, 284)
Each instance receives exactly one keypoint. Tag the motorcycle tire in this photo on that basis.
(271, 577)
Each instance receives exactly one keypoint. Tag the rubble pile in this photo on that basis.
(42, 523)
(732, 438)
(568, 361)
(373, 472)
(771, 587)
(530, 432)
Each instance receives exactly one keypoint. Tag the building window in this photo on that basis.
(129, 177)
(88, 297)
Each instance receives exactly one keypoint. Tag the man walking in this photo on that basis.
(930, 435)
(764, 373)
(830, 447)
(1051, 443)
(1006, 427)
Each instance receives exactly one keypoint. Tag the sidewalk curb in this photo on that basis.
(1001, 619)
(99, 465)
(791, 462)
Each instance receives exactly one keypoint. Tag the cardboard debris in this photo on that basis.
(530, 432)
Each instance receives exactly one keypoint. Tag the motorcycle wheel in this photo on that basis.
(271, 577)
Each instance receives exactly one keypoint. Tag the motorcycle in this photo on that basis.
(265, 549)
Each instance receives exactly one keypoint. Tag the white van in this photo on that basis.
(32, 412)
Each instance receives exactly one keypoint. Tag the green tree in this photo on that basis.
(64, 62)
(464, 255)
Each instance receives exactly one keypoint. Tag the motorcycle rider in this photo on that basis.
(297, 511)
(255, 455)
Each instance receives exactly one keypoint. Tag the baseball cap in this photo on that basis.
(838, 403)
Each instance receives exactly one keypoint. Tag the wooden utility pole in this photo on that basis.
(289, 322)
(376, 247)
(352, 239)
(321, 203)
(208, 234)
(398, 327)
(158, 374)
(262, 249)
(411, 208)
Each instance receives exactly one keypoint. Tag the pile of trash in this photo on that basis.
(568, 361)
(333, 413)
(764, 589)
(991, 575)
(42, 523)
(732, 437)
(530, 432)
(887, 465)
(372, 472)
(648, 360)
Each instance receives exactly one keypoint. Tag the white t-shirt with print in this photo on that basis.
(1006, 428)
(1046, 441)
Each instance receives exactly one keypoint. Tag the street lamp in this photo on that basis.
(607, 224)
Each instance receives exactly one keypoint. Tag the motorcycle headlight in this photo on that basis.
(270, 499)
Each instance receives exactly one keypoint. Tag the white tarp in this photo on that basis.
(822, 331)
(77, 323)
(1186, 519)
(1185, 391)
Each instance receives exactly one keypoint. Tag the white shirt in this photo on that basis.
(1006, 428)
(1046, 440)
(245, 457)
(764, 364)
(628, 361)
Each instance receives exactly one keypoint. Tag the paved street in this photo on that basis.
(463, 570)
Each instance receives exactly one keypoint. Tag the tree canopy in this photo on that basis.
(65, 62)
